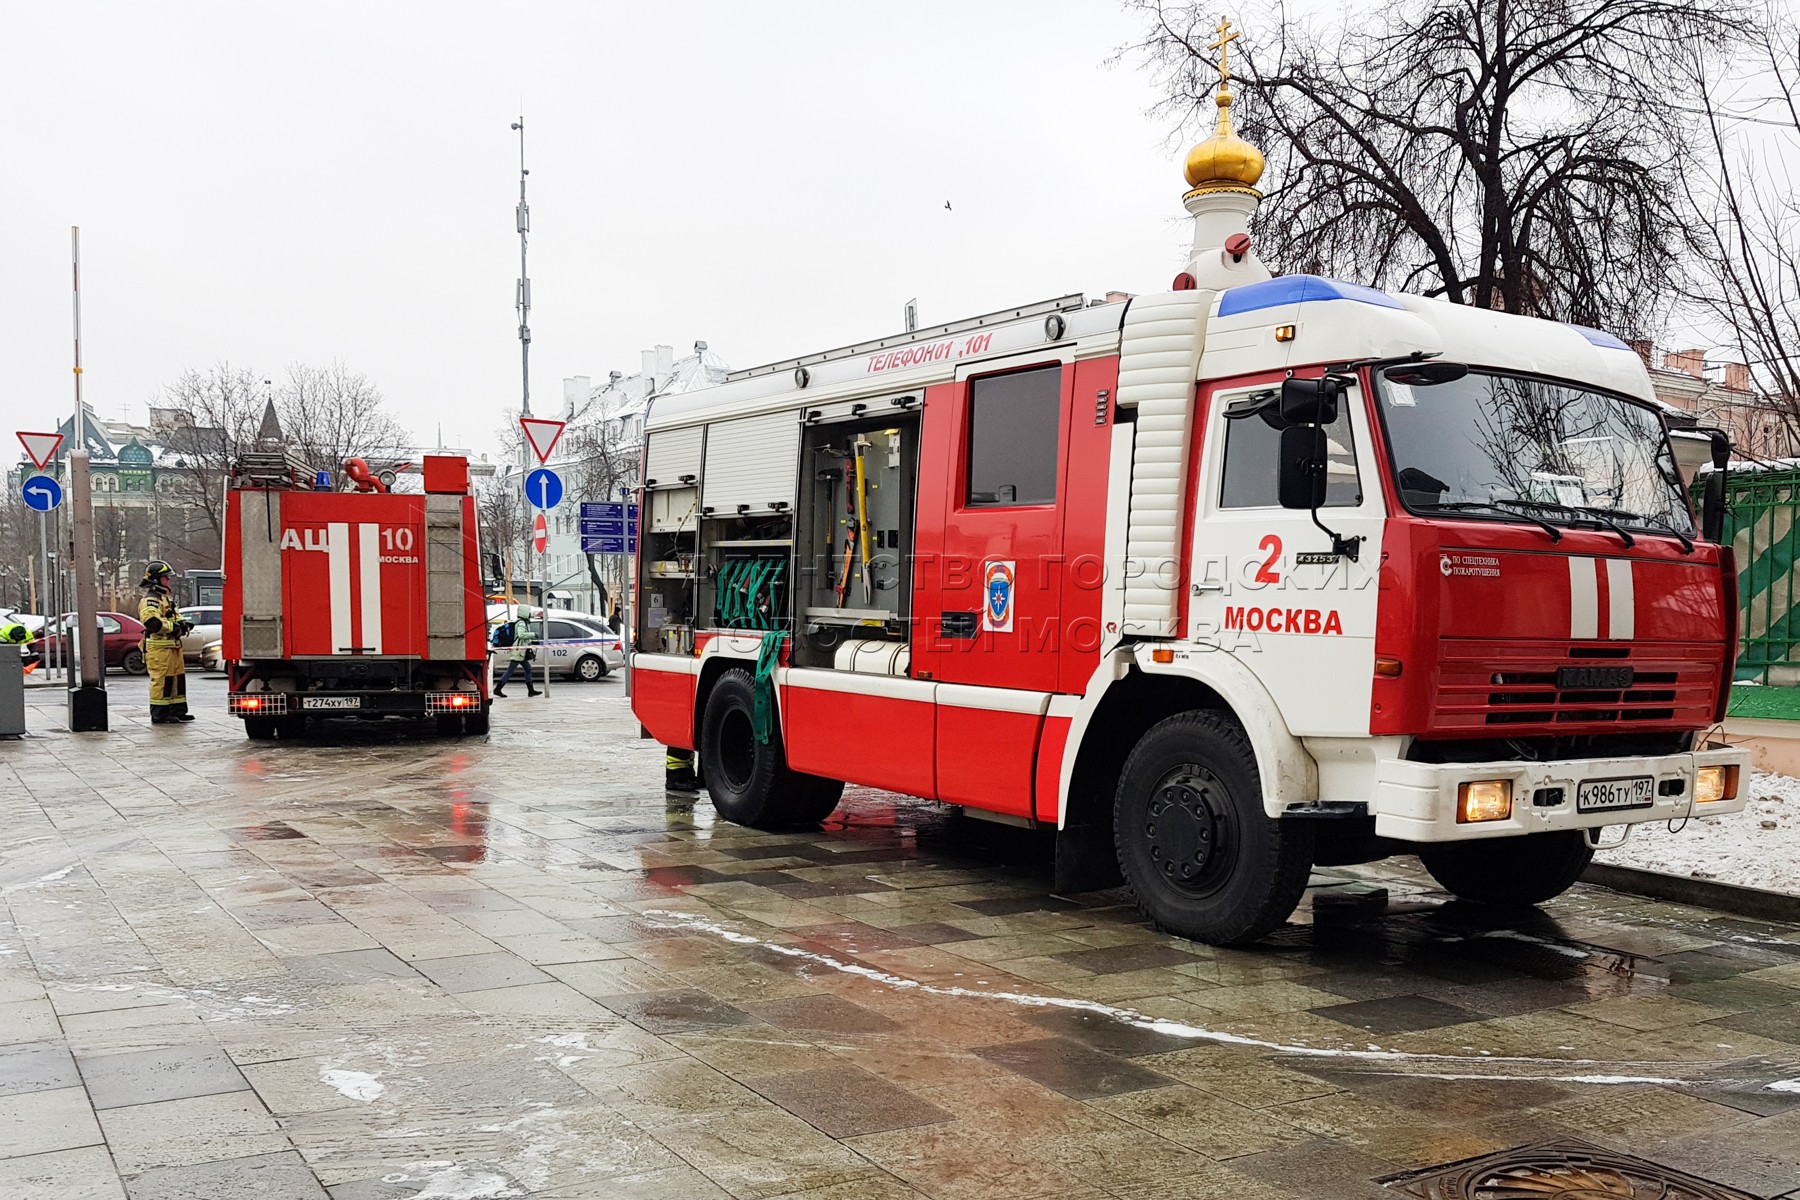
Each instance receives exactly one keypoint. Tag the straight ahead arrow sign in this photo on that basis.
(543, 435)
(41, 447)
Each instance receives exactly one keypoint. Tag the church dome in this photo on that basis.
(1224, 162)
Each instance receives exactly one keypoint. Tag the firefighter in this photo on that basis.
(678, 771)
(163, 630)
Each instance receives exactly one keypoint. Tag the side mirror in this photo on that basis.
(1300, 480)
(1310, 401)
(1712, 501)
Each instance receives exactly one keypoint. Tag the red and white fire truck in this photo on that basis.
(358, 603)
(1218, 583)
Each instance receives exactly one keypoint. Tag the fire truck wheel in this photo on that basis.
(748, 780)
(475, 724)
(449, 724)
(1514, 872)
(291, 726)
(259, 729)
(1200, 856)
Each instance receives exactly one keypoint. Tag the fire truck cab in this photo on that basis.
(1219, 583)
(359, 603)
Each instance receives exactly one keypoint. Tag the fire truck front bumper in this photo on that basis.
(1448, 802)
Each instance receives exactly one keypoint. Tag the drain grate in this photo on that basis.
(1562, 1170)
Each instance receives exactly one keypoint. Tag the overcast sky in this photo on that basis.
(265, 184)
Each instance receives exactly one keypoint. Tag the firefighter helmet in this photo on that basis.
(154, 572)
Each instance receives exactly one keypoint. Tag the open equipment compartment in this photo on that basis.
(858, 486)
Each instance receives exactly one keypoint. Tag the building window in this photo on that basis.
(1014, 425)
(1252, 458)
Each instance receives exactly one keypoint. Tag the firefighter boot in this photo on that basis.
(678, 772)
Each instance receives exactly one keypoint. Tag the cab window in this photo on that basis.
(1013, 423)
(1252, 455)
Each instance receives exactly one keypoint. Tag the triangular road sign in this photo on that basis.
(543, 435)
(41, 447)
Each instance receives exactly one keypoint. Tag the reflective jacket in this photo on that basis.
(158, 613)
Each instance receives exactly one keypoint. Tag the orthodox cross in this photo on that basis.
(1226, 36)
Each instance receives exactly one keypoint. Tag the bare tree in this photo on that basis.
(221, 409)
(332, 413)
(1746, 231)
(1517, 156)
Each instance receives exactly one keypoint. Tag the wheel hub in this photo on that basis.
(1187, 829)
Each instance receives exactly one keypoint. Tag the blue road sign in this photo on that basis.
(608, 527)
(608, 545)
(41, 493)
(543, 488)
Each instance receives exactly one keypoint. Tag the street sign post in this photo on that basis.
(543, 435)
(40, 447)
(544, 488)
(41, 493)
(608, 527)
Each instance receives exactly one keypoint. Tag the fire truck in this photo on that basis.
(361, 603)
(1219, 583)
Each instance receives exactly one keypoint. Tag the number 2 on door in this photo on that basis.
(1269, 572)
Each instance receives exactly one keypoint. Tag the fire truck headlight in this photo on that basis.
(1715, 783)
(1483, 800)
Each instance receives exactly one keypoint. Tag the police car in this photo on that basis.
(578, 645)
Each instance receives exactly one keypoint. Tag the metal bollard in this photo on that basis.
(12, 691)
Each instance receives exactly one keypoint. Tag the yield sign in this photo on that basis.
(41, 447)
(543, 435)
(540, 534)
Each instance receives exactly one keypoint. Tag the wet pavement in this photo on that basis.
(384, 964)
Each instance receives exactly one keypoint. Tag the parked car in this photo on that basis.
(578, 645)
(205, 620)
(122, 646)
(212, 656)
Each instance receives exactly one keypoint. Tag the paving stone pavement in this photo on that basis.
(379, 964)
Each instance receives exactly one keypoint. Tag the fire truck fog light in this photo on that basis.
(1483, 800)
(1388, 668)
(1715, 783)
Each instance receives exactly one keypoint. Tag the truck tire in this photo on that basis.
(590, 668)
(749, 781)
(259, 729)
(291, 726)
(449, 724)
(1512, 872)
(1198, 853)
(475, 724)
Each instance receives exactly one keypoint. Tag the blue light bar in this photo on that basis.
(1295, 289)
(1604, 340)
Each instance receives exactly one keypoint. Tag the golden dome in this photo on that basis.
(1224, 162)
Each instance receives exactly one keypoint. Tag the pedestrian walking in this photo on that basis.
(163, 630)
(518, 635)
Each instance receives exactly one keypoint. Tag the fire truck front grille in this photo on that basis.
(1488, 684)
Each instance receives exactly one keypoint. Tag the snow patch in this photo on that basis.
(53, 876)
(358, 1085)
(1759, 847)
(1783, 1085)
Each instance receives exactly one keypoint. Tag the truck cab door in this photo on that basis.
(989, 587)
(1264, 584)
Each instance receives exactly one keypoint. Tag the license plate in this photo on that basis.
(1596, 794)
(331, 701)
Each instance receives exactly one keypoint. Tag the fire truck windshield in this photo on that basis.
(1513, 448)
